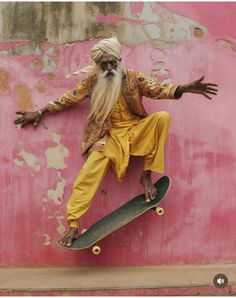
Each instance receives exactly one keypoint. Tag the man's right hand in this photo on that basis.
(25, 118)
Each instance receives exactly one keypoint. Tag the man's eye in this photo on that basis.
(103, 64)
(113, 62)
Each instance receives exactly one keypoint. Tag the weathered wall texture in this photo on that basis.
(178, 42)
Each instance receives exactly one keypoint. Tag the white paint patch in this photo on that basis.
(156, 25)
(48, 64)
(18, 162)
(28, 158)
(56, 194)
(55, 155)
(47, 240)
(59, 218)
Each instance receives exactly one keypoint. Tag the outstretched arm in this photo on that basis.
(23, 118)
(70, 98)
(198, 87)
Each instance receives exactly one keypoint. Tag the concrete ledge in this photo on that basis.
(145, 280)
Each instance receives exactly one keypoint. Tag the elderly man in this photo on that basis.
(118, 125)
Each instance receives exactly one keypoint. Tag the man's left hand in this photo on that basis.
(199, 87)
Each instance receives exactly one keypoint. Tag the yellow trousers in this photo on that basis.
(146, 139)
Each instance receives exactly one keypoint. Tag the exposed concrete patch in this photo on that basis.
(23, 50)
(55, 155)
(47, 240)
(59, 217)
(72, 22)
(48, 64)
(56, 194)
(4, 80)
(23, 97)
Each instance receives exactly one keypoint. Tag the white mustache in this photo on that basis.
(106, 72)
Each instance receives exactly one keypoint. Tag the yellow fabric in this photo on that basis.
(69, 99)
(129, 135)
(85, 186)
(137, 82)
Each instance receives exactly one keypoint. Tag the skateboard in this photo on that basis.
(120, 217)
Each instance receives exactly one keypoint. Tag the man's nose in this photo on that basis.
(109, 67)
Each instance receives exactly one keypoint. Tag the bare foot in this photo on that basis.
(150, 190)
(71, 235)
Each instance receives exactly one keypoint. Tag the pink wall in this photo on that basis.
(38, 166)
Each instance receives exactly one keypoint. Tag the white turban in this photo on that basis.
(109, 46)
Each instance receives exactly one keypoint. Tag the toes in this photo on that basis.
(150, 193)
(147, 198)
(69, 242)
(65, 241)
(62, 241)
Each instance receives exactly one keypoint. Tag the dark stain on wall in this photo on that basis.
(56, 21)
(107, 7)
(61, 18)
(24, 21)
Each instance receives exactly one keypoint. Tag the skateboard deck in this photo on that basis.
(120, 217)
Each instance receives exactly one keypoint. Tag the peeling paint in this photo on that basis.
(154, 24)
(56, 194)
(59, 218)
(23, 50)
(4, 80)
(136, 8)
(196, 158)
(18, 162)
(36, 63)
(48, 64)
(41, 87)
(47, 240)
(160, 73)
(55, 155)
(198, 32)
(29, 158)
(23, 97)
(226, 44)
(135, 23)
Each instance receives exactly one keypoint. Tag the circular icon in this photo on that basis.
(220, 280)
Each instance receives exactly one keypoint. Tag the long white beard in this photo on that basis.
(105, 95)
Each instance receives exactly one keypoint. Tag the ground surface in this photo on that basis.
(147, 280)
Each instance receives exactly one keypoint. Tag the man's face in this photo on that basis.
(108, 63)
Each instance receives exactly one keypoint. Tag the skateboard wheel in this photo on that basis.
(159, 211)
(83, 231)
(96, 250)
